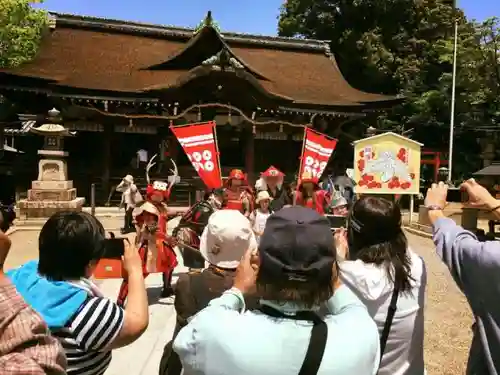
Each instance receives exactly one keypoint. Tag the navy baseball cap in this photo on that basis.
(297, 247)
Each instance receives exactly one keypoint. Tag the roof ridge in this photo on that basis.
(183, 32)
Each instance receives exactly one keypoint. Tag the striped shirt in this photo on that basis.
(88, 334)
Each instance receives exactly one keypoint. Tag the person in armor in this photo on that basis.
(339, 206)
(155, 246)
(310, 195)
(191, 226)
(239, 195)
(271, 180)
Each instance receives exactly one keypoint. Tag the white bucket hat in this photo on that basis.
(226, 238)
(262, 196)
(145, 207)
(128, 178)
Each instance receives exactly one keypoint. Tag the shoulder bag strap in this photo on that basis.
(388, 320)
(317, 342)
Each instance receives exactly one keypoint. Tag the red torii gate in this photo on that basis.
(437, 160)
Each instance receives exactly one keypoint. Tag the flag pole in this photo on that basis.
(300, 165)
(217, 150)
(452, 110)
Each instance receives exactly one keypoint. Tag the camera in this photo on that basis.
(7, 216)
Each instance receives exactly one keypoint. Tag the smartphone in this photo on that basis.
(337, 222)
(114, 248)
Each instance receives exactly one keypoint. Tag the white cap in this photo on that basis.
(145, 206)
(128, 178)
(226, 238)
(262, 196)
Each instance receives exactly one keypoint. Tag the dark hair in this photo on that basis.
(375, 236)
(305, 194)
(68, 243)
(303, 294)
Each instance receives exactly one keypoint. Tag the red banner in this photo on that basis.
(199, 144)
(316, 152)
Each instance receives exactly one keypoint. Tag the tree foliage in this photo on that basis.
(406, 47)
(21, 31)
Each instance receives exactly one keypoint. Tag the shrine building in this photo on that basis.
(120, 85)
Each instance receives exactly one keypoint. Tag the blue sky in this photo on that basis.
(256, 16)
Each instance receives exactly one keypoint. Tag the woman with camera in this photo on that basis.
(59, 288)
(389, 278)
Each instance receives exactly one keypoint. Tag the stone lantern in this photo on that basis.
(52, 191)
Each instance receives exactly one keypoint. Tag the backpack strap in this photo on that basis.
(388, 321)
(317, 342)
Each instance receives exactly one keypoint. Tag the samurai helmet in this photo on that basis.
(271, 172)
(237, 174)
(308, 177)
(159, 191)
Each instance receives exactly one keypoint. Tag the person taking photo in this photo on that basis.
(26, 346)
(475, 267)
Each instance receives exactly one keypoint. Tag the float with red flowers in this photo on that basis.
(387, 163)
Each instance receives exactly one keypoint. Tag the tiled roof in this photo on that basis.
(117, 56)
(25, 128)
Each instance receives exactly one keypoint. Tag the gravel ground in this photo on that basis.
(448, 318)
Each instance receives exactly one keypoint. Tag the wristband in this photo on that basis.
(434, 207)
(495, 208)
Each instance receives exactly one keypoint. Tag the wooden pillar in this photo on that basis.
(292, 164)
(437, 165)
(173, 147)
(250, 156)
(2, 138)
(107, 140)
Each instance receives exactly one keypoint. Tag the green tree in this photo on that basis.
(21, 30)
(405, 47)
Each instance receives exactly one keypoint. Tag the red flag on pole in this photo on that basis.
(199, 142)
(316, 152)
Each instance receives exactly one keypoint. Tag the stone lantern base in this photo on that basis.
(52, 191)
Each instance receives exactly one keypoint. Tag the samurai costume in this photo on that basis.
(155, 246)
(239, 195)
(316, 198)
(271, 180)
(191, 227)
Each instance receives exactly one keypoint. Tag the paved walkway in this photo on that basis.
(143, 356)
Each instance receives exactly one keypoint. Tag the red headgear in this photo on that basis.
(272, 171)
(237, 174)
(308, 177)
(159, 191)
(158, 188)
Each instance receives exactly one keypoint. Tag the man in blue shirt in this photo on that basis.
(308, 323)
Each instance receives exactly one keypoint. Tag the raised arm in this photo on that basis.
(470, 261)
(473, 264)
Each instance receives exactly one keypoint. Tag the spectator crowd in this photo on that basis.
(280, 294)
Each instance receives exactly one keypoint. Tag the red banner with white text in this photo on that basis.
(316, 152)
(200, 145)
